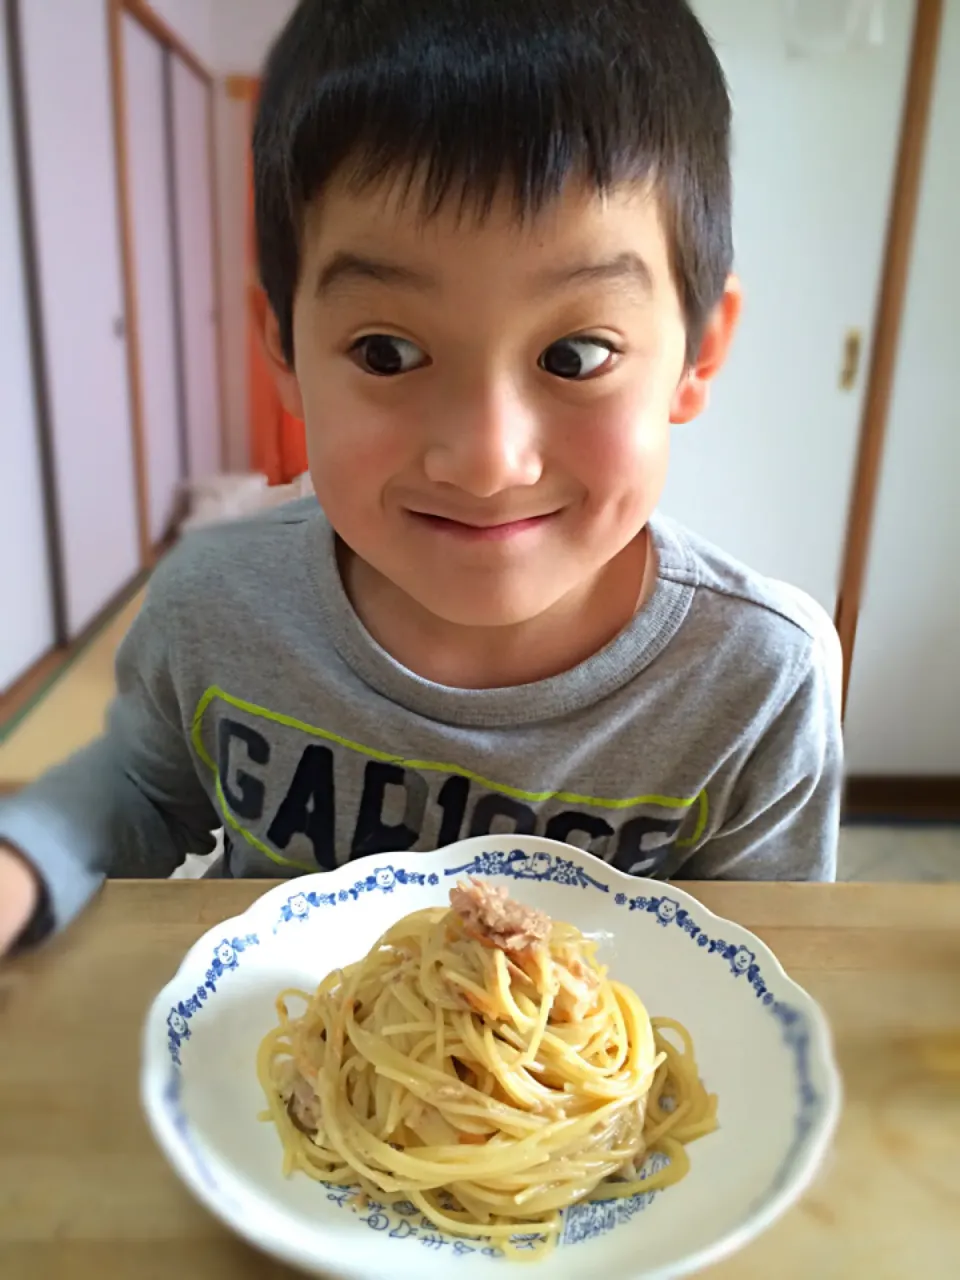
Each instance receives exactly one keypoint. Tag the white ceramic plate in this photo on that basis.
(762, 1044)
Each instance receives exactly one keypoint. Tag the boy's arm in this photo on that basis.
(20, 899)
(130, 804)
(783, 817)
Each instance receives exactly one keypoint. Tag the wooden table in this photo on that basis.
(84, 1193)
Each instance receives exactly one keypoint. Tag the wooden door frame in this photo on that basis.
(173, 46)
(128, 263)
(905, 198)
(164, 34)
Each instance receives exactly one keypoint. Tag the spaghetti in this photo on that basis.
(479, 1063)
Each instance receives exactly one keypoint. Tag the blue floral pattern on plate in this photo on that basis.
(524, 866)
(299, 906)
(402, 1221)
(226, 958)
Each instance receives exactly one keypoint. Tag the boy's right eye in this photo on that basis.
(386, 357)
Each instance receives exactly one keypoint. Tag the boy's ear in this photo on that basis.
(693, 392)
(284, 377)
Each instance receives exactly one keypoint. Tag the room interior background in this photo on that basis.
(130, 364)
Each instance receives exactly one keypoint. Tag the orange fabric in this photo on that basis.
(278, 445)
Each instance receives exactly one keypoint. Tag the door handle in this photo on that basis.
(850, 366)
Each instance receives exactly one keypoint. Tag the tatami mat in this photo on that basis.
(71, 713)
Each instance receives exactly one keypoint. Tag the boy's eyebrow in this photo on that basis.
(628, 266)
(346, 266)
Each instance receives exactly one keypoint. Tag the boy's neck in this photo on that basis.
(576, 627)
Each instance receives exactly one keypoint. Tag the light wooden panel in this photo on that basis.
(194, 185)
(149, 184)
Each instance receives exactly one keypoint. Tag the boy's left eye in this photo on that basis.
(576, 359)
(386, 356)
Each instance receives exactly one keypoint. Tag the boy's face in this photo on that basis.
(488, 405)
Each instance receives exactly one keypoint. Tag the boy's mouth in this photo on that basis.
(468, 531)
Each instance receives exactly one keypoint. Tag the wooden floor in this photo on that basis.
(72, 713)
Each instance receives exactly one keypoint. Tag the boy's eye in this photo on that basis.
(576, 358)
(384, 356)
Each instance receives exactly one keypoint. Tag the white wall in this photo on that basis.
(243, 31)
(903, 715)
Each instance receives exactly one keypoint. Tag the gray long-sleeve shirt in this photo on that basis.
(704, 741)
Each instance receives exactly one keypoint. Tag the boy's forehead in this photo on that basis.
(579, 227)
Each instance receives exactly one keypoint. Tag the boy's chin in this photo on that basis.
(484, 608)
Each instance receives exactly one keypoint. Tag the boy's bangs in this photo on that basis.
(453, 129)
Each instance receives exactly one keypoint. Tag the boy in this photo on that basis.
(495, 241)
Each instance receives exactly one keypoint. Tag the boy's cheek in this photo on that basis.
(350, 442)
(351, 475)
(347, 473)
(618, 451)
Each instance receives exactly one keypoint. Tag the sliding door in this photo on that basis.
(27, 630)
(66, 59)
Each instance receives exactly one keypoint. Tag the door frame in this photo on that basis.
(174, 47)
(891, 299)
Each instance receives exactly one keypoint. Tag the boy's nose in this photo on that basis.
(486, 447)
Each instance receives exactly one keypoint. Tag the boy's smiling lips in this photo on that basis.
(481, 530)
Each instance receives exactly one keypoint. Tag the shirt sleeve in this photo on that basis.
(131, 803)
(782, 820)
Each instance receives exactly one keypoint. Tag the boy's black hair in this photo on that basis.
(470, 94)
